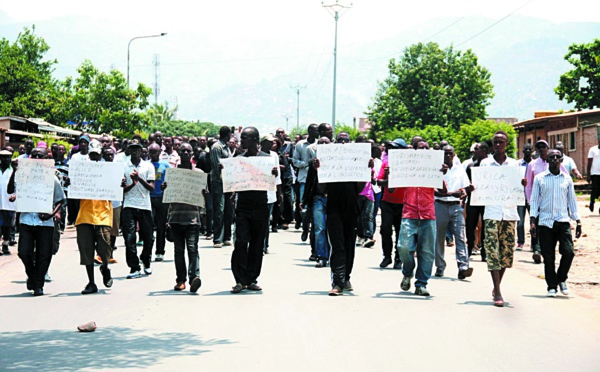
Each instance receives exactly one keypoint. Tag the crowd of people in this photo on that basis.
(416, 223)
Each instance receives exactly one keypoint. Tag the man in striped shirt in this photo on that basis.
(553, 202)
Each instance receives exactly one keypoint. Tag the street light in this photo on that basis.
(335, 10)
(298, 89)
(129, 46)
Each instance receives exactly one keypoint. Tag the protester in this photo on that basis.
(274, 197)
(222, 207)
(553, 202)
(523, 209)
(302, 155)
(159, 209)
(475, 212)
(7, 201)
(108, 155)
(593, 173)
(169, 155)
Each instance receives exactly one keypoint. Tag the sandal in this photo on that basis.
(237, 289)
(254, 287)
(499, 302)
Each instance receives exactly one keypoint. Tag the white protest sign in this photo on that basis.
(95, 180)
(248, 173)
(344, 162)
(416, 168)
(497, 186)
(35, 185)
(184, 186)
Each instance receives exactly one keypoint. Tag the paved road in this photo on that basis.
(293, 325)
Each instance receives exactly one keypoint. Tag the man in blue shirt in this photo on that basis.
(159, 209)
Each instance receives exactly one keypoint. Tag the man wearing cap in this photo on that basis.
(391, 206)
(36, 234)
(7, 205)
(93, 226)
(84, 143)
(593, 172)
(137, 208)
(534, 168)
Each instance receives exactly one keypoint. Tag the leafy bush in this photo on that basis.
(482, 130)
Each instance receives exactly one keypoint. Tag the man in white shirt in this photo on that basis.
(568, 161)
(137, 209)
(593, 173)
(499, 222)
(449, 216)
(553, 203)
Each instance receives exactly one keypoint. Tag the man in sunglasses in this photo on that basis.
(536, 167)
(553, 204)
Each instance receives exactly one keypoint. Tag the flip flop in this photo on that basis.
(87, 327)
(237, 288)
(499, 303)
(254, 287)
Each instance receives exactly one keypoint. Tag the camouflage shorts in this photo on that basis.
(499, 243)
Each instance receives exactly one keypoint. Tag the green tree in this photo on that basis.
(430, 134)
(581, 85)
(431, 86)
(101, 102)
(187, 128)
(159, 113)
(26, 84)
(482, 130)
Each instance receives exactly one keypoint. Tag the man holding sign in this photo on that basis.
(37, 228)
(251, 222)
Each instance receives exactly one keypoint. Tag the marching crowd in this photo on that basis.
(416, 226)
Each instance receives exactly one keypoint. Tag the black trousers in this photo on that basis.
(35, 251)
(473, 215)
(160, 211)
(391, 218)
(561, 233)
(287, 208)
(341, 230)
(251, 225)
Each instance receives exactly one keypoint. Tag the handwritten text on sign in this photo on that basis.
(416, 168)
(248, 173)
(96, 180)
(184, 186)
(35, 185)
(497, 186)
(344, 163)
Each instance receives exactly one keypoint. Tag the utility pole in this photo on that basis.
(287, 119)
(335, 10)
(298, 89)
(156, 63)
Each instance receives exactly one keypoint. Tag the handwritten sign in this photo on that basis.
(96, 180)
(35, 185)
(248, 173)
(184, 186)
(416, 168)
(344, 163)
(497, 186)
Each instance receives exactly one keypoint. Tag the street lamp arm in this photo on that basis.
(129, 47)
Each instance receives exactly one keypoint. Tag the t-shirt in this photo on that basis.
(138, 197)
(396, 196)
(95, 212)
(569, 163)
(272, 194)
(594, 153)
(342, 198)
(79, 157)
(159, 177)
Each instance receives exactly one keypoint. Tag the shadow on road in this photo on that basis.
(484, 303)
(325, 293)
(107, 348)
(402, 296)
(559, 297)
(78, 294)
(171, 292)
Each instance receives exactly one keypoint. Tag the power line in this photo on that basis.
(495, 23)
(443, 29)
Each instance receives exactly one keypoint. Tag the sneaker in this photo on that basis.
(180, 286)
(348, 286)
(159, 258)
(463, 274)
(563, 288)
(5, 249)
(336, 291)
(551, 293)
(321, 263)
(313, 258)
(217, 245)
(405, 285)
(106, 277)
(195, 284)
(47, 278)
(519, 247)
(134, 275)
(304, 236)
(439, 272)
(537, 257)
(422, 291)
(89, 289)
(397, 264)
(147, 270)
(226, 243)
(368, 243)
(386, 262)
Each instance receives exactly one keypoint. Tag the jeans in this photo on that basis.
(522, 209)
(35, 251)
(159, 215)
(251, 223)
(561, 233)
(391, 217)
(365, 218)
(341, 229)
(320, 227)
(129, 218)
(419, 236)
(222, 213)
(449, 218)
(186, 237)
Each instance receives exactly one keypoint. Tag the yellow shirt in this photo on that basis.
(95, 212)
